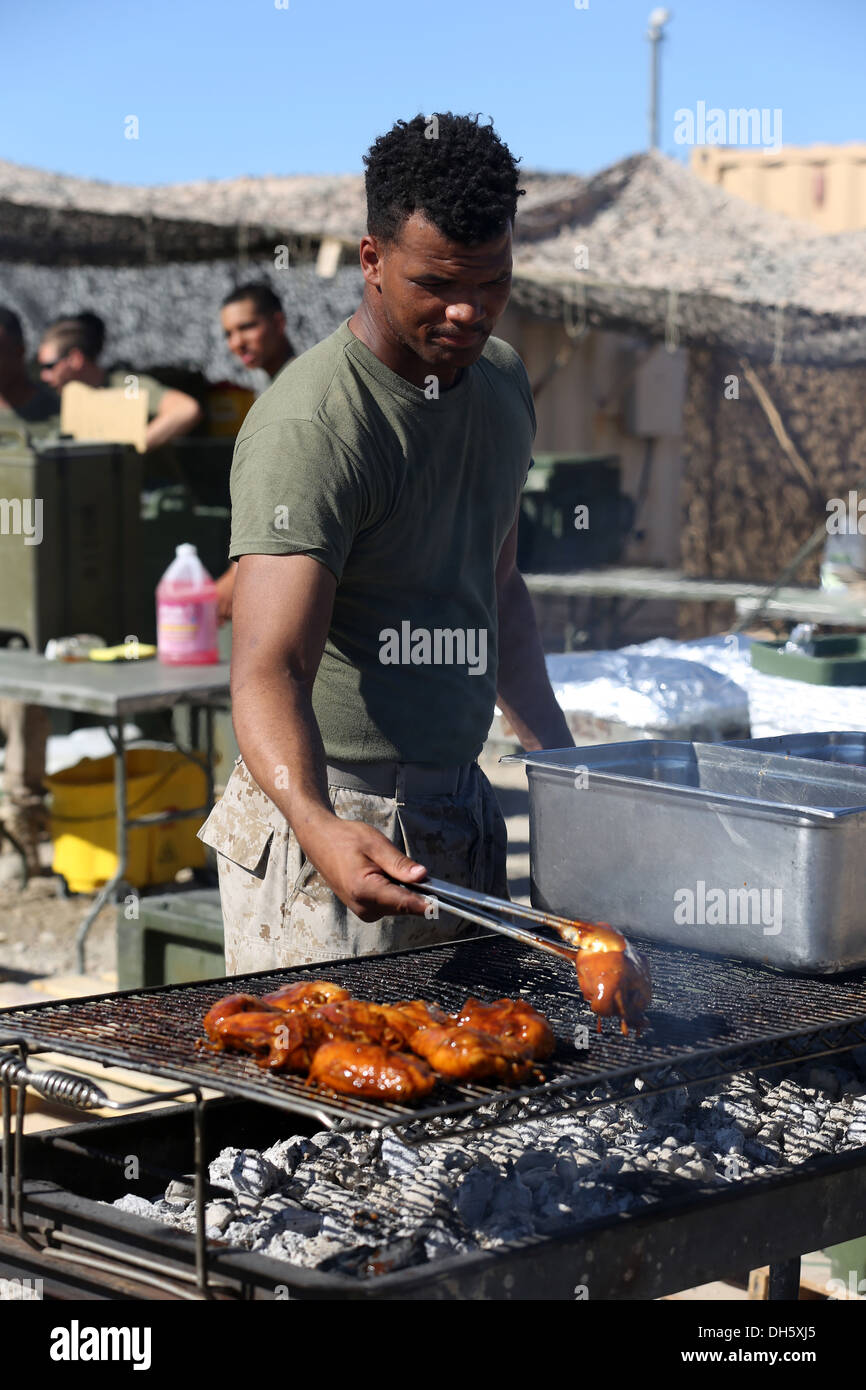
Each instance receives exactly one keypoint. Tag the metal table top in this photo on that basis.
(111, 688)
(646, 582)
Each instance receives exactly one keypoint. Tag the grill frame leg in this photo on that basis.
(784, 1281)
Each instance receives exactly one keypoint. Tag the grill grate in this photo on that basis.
(710, 1018)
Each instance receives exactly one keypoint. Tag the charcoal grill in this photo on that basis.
(710, 1018)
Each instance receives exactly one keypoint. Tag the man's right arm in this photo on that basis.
(281, 615)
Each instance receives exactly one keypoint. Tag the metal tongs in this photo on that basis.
(486, 911)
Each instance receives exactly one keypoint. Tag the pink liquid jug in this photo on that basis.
(186, 612)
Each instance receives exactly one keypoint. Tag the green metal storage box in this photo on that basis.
(177, 937)
(83, 574)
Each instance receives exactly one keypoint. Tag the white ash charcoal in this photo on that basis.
(440, 1241)
(288, 1153)
(309, 1253)
(587, 1157)
(696, 1168)
(244, 1171)
(730, 1140)
(136, 1206)
(398, 1157)
(217, 1216)
(768, 1154)
(173, 1214)
(840, 1114)
(240, 1233)
(598, 1122)
(340, 1228)
(641, 1163)
(293, 1218)
(820, 1143)
(742, 1113)
(180, 1192)
(770, 1129)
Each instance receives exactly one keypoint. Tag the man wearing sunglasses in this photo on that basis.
(70, 350)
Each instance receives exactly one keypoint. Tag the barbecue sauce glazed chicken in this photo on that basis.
(379, 1051)
(614, 978)
(397, 1051)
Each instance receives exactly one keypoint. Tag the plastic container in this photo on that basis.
(83, 820)
(186, 612)
(837, 658)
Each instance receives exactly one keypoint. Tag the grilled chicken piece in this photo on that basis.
(307, 994)
(355, 1020)
(279, 1041)
(412, 1015)
(364, 1069)
(227, 1008)
(466, 1054)
(513, 1019)
(614, 978)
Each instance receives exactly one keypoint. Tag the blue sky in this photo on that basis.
(229, 87)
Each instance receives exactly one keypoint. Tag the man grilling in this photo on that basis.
(378, 612)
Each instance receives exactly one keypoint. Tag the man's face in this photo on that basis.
(57, 367)
(440, 299)
(252, 336)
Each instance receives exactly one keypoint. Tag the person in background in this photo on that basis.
(36, 408)
(70, 350)
(254, 325)
(22, 401)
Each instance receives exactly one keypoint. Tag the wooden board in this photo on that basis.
(108, 414)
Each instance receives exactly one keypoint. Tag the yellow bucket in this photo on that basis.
(83, 821)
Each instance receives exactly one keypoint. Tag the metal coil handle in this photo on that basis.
(53, 1084)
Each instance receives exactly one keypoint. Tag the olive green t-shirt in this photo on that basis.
(407, 499)
(118, 378)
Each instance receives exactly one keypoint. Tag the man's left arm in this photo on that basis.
(177, 413)
(524, 692)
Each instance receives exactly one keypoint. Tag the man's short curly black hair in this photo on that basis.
(457, 172)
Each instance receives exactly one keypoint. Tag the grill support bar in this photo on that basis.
(80, 1093)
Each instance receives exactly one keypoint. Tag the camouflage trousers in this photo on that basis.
(277, 908)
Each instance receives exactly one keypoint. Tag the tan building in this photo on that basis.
(821, 184)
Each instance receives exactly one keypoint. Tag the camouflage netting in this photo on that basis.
(168, 315)
(746, 510)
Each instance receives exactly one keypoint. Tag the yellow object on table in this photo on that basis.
(126, 651)
(84, 828)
